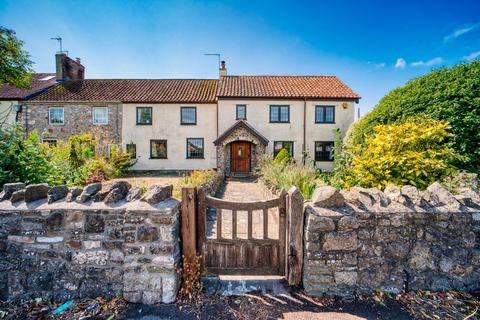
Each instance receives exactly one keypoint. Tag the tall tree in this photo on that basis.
(15, 64)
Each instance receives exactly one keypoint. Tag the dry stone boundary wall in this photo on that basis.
(362, 240)
(60, 243)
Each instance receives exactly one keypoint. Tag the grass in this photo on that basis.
(283, 174)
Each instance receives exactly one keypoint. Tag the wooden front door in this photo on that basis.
(240, 159)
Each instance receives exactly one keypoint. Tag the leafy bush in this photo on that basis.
(342, 170)
(22, 160)
(71, 162)
(415, 152)
(283, 156)
(283, 174)
(195, 179)
(448, 94)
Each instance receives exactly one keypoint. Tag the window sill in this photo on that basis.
(325, 122)
(153, 158)
(188, 124)
(56, 124)
(279, 122)
(323, 160)
(190, 158)
(144, 124)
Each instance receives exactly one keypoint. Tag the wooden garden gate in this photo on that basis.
(244, 255)
(264, 255)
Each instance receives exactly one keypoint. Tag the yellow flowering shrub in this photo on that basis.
(415, 152)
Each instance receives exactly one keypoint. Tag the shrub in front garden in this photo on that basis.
(415, 152)
(71, 162)
(195, 179)
(448, 94)
(284, 174)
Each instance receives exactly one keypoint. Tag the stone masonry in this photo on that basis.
(401, 239)
(73, 249)
(77, 120)
(223, 149)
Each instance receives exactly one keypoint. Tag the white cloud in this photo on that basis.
(472, 56)
(380, 65)
(428, 63)
(459, 32)
(400, 64)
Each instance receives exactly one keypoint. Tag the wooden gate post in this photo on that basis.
(295, 237)
(189, 235)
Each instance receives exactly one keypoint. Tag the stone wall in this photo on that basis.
(94, 243)
(401, 239)
(77, 120)
(223, 150)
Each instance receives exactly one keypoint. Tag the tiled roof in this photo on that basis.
(327, 87)
(40, 82)
(133, 90)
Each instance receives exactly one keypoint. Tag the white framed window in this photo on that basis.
(100, 115)
(56, 115)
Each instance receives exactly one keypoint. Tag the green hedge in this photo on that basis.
(449, 94)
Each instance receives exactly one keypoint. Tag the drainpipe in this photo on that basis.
(26, 120)
(304, 128)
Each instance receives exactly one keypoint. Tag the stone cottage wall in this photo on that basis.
(68, 249)
(362, 240)
(78, 120)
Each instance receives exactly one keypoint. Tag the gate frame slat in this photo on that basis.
(265, 224)
(282, 208)
(219, 223)
(250, 226)
(234, 225)
(201, 225)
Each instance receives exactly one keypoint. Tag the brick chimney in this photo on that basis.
(223, 69)
(68, 69)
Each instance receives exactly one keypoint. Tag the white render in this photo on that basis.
(258, 116)
(166, 126)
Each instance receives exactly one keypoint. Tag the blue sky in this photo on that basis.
(373, 46)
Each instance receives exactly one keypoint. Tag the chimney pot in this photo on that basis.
(223, 69)
(78, 60)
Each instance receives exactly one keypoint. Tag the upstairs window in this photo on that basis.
(144, 115)
(188, 115)
(195, 149)
(279, 145)
(324, 150)
(241, 112)
(158, 149)
(56, 115)
(100, 115)
(279, 114)
(324, 114)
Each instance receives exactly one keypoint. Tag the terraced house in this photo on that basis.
(187, 124)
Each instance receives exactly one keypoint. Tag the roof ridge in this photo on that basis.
(141, 79)
(280, 75)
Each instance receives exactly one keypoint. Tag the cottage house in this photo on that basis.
(11, 98)
(187, 124)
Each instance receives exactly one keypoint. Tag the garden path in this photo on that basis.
(242, 190)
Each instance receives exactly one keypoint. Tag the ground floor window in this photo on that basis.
(132, 150)
(195, 149)
(324, 150)
(279, 145)
(158, 149)
(52, 142)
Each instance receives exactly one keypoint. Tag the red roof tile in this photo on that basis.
(40, 82)
(326, 87)
(133, 90)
